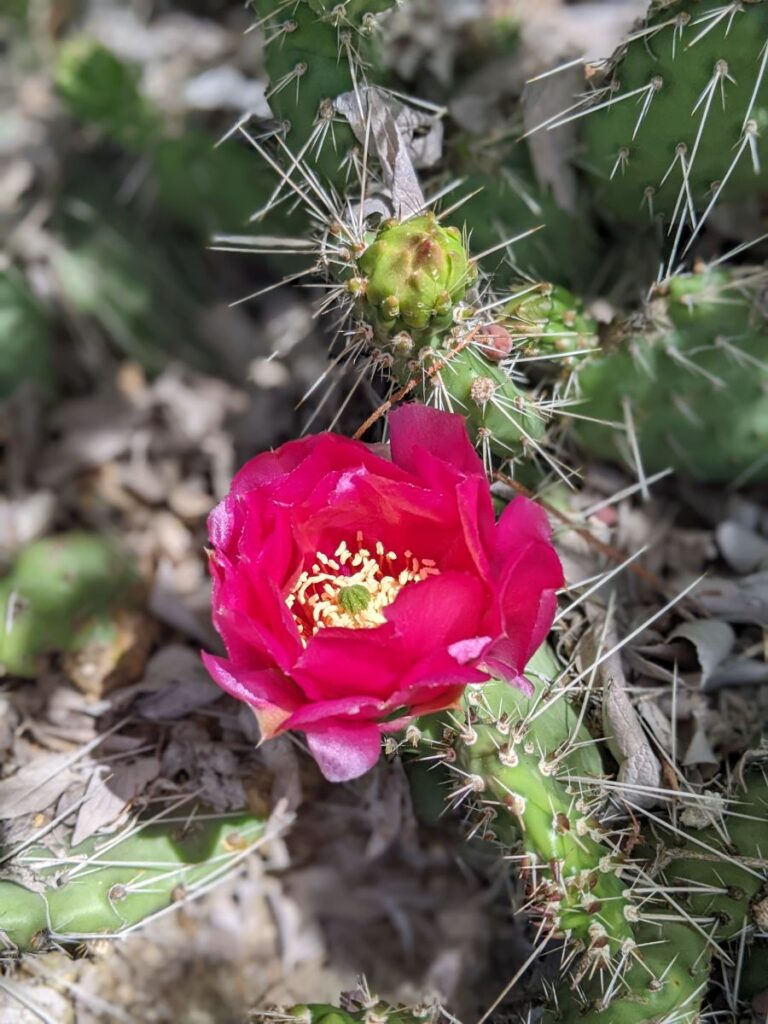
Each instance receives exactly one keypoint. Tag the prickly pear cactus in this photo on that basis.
(57, 593)
(550, 322)
(687, 383)
(410, 291)
(110, 885)
(677, 121)
(639, 930)
(506, 203)
(514, 756)
(692, 896)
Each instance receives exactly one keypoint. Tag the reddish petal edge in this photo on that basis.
(265, 691)
(344, 752)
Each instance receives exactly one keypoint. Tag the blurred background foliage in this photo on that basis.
(112, 184)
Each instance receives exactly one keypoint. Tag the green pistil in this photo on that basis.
(354, 599)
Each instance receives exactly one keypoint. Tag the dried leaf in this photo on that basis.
(712, 639)
(739, 672)
(180, 685)
(639, 768)
(700, 749)
(110, 791)
(742, 600)
(36, 786)
(405, 138)
(744, 550)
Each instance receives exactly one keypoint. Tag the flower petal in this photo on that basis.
(520, 522)
(440, 610)
(420, 434)
(270, 694)
(359, 708)
(344, 751)
(349, 663)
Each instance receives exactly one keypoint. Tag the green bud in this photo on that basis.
(417, 270)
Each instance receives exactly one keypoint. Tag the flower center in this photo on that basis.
(351, 588)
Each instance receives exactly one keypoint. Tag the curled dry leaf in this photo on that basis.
(713, 641)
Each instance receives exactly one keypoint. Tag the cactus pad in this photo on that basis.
(550, 322)
(694, 364)
(56, 594)
(109, 885)
(100, 89)
(26, 350)
(681, 115)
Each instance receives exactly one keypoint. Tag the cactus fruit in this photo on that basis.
(694, 363)
(408, 290)
(26, 349)
(678, 119)
(59, 591)
(109, 885)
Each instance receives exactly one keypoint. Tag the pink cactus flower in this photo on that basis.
(354, 592)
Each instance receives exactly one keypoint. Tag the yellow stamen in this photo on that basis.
(351, 588)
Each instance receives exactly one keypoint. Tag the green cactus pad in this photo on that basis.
(683, 111)
(498, 412)
(413, 274)
(357, 1011)
(54, 594)
(106, 885)
(518, 772)
(729, 864)
(694, 375)
(665, 983)
(565, 247)
(317, 51)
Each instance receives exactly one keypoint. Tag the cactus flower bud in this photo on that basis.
(417, 270)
